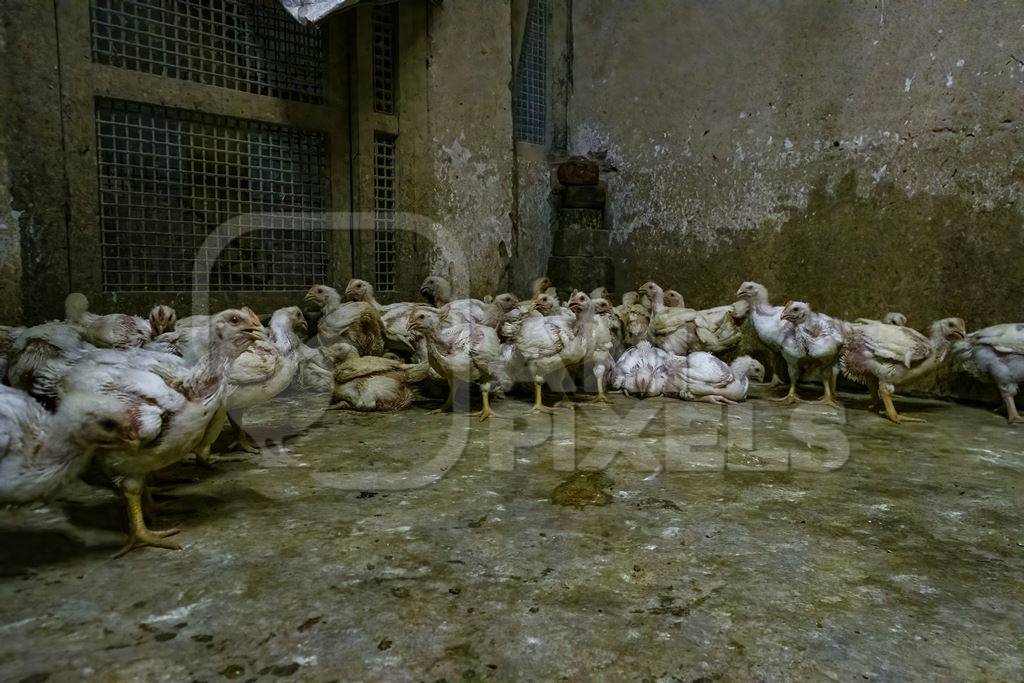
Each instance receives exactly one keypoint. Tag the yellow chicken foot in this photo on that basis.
(790, 397)
(538, 404)
(829, 398)
(139, 536)
(890, 411)
(1012, 416)
(242, 441)
(486, 411)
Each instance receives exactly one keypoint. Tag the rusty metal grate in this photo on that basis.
(248, 45)
(385, 220)
(169, 177)
(531, 95)
(385, 30)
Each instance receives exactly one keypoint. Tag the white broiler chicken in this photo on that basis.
(818, 338)
(395, 318)
(40, 451)
(643, 370)
(437, 291)
(176, 408)
(553, 345)
(356, 322)
(372, 383)
(43, 351)
(636, 319)
(996, 354)
(113, 331)
(769, 327)
(8, 336)
(264, 370)
(602, 344)
(701, 376)
(891, 318)
(671, 329)
(885, 357)
(464, 353)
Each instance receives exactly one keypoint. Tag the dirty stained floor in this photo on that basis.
(766, 542)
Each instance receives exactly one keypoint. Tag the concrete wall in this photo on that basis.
(470, 121)
(33, 242)
(10, 242)
(491, 196)
(862, 156)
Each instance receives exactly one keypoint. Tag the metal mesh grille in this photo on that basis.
(384, 30)
(531, 96)
(169, 177)
(248, 45)
(384, 218)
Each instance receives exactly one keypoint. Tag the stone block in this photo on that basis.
(578, 171)
(573, 240)
(585, 196)
(581, 272)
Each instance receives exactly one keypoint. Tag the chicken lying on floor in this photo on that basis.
(372, 382)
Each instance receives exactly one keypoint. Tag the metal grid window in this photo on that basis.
(248, 45)
(384, 212)
(169, 177)
(531, 95)
(385, 29)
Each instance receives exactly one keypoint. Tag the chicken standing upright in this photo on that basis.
(552, 345)
(885, 357)
(818, 338)
(176, 408)
(770, 328)
(264, 370)
(996, 354)
(464, 353)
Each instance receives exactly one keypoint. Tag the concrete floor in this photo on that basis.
(798, 548)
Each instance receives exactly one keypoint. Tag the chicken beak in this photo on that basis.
(129, 442)
(309, 298)
(739, 292)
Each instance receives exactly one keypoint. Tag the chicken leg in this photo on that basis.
(538, 404)
(790, 396)
(890, 409)
(140, 536)
(485, 412)
(828, 379)
(242, 440)
(1012, 415)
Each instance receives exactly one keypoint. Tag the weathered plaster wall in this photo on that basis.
(471, 140)
(10, 243)
(33, 198)
(862, 156)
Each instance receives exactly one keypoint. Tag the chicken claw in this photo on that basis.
(789, 398)
(485, 412)
(139, 536)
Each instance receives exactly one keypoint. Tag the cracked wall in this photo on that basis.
(863, 157)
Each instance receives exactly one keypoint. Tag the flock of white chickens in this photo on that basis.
(134, 396)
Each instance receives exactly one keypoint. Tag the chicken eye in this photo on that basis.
(107, 424)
